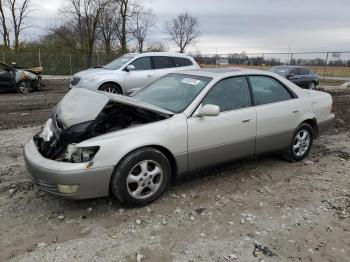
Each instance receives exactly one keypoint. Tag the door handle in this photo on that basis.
(246, 120)
(149, 75)
(295, 111)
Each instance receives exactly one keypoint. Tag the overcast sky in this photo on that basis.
(229, 26)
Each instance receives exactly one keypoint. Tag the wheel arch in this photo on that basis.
(113, 83)
(313, 123)
(168, 154)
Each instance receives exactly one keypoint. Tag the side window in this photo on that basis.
(304, 71)
(3, 69)
(295, 71)
(143, 63)
(229, 94)
(180, 61)
(161, 62)
(268, 90)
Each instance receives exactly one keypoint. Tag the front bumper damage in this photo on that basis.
(52, 176)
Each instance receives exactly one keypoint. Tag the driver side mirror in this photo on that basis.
(130, 68)
(208, 110)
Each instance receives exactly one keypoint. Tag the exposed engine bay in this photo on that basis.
(56, 140)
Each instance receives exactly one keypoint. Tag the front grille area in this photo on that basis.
(44, 185)
(75, 80)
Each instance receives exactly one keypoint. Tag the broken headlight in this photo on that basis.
(80, 154)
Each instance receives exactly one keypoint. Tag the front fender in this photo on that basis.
(170, 134)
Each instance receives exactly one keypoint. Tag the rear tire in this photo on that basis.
(312, 86)
(301, 143)
(111, 88)
(141, 177)
(25, 86)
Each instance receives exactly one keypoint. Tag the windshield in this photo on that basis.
(173, 92)
(279, 70)
(119, 62)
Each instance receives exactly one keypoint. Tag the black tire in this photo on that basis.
(312, 86)
(123, 191)
(111, 88)
(25, 86)
(291, 153)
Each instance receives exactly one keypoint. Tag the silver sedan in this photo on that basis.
(97, 143)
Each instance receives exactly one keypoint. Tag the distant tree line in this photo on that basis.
(253, 60)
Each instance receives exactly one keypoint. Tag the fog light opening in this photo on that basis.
(68, 189)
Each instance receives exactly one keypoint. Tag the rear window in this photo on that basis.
(180, 61)
(161, 62)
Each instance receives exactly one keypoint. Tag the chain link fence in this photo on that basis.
(56, 63)
(325, 64)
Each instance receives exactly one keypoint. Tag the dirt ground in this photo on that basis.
(298, 211)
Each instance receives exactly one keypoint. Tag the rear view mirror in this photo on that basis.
(209, 110)
(130, 68)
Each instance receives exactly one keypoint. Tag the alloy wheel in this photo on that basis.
(24, 87)
(301, 143)
(144, 179)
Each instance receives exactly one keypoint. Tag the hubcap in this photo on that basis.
(144, 179)
(24, 87)
(301, 142)
(110, 90)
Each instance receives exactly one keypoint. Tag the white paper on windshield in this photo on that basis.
(190, 81)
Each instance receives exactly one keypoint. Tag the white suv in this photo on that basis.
(131, 72)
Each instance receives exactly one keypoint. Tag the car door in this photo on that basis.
(305, 77)
(278, 113)
(7, 79)
(162, 66)
(231, 134)
(141, 75)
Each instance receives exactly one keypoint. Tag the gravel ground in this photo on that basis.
(298, 211)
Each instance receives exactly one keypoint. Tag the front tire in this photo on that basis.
(25, 86)
(312, 86)
(141, 177)
(111, 88)
(301, 143)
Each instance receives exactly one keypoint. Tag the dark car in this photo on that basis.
(299, 75)
(20, 80)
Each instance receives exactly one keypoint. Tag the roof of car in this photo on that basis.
(290, 66)
(222, 72)
(162, 54)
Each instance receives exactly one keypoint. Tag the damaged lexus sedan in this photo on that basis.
(96, 144)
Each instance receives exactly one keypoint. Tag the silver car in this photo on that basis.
(99, 143)
(131, 72)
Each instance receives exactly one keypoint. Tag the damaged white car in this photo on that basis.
(99, 143)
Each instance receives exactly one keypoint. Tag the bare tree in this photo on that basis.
(108, 27)
(4, 29)
(142, 21)
(183, 30)
(20, 10)
(125, 10)
(86, 14)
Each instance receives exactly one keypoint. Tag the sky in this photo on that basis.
(234, 26)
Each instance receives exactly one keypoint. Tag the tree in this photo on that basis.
(20, 10)
(142, 21)
(4, 29)
(107, 27)
(123, 15)
(183, 30)
(87, 14)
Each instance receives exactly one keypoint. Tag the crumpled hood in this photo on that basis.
(80, 105)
